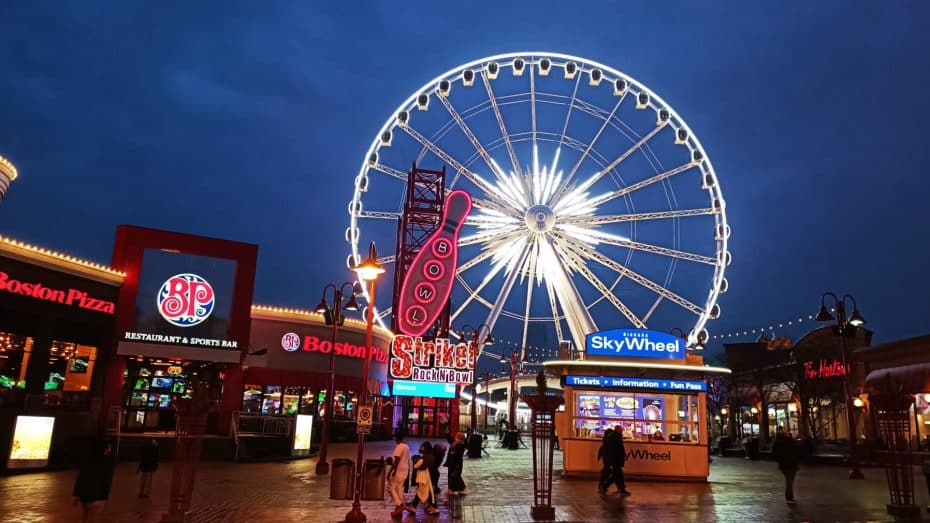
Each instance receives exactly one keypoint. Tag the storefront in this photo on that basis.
(182, 328)
(644, 384)
(424, 409)
(56, 325)
(288, 374)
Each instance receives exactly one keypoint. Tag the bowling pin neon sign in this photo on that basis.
(429, 279)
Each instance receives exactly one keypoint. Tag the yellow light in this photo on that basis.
(857, 402)
(8, 167)
(926, 398)
(62, 257)
(754, 410)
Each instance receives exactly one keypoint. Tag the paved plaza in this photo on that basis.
(500, 491)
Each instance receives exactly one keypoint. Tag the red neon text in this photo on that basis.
(411, 355)
(314, 344)
(824, 370)
(71, 297)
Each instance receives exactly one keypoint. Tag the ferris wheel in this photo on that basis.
(595, 205)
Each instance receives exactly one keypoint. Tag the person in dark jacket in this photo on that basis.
(454, 461)
(787, 453)
(439, 455)
(148, 464)
(613, 455)
(92, 487)
(422, 464)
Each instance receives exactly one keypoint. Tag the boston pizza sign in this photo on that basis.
(40, 290)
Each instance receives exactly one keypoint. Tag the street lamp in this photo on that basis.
(7, 175)
(487, 390)
(368, 271)
(487, 340)
(845, 327)
(333, 317)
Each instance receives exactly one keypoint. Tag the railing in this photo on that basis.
(234, 430)
(114, 426)
(262, 424)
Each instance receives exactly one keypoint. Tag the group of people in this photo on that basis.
(425, 468)
(95, 475)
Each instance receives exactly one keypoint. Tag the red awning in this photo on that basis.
(907, 379)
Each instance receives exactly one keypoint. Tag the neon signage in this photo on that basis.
(185, 300)
(429, 279)
(348, 350)
(71, 297)
(824, 369)
(635, 343)
(414, 359)
(604, 382)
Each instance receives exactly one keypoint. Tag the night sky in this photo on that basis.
(249, 120)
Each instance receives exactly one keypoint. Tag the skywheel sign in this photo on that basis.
(635, 343)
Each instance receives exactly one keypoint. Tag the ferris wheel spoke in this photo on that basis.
(505, 291)
(379, 215)
(507, 259)
(574, 250)
(475, 260)
(568, 114)
(387, 260)
(500, 123)
(494, 236)
(587, 184)
(531, 270)
(587, 221)
(482, 184)
(639, 185)
(492, 165)
(571, 174)
(386, 313)
(655, 249)
(592, 254)
(532, 122)
(391, 171)
(555, 310)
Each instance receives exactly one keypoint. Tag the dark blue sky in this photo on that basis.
(250, 121)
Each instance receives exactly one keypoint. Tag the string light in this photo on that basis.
(8, 167)
(32, 249)
(770, 329)
(317, 316)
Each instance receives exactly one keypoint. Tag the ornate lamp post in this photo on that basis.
(487, 340)
(845, 327)
(543, 431)
(368, 271)
(487, 390)
(333, 317)
(7, 175)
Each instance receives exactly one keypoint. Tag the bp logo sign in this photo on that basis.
(290, 342)
(185, 300)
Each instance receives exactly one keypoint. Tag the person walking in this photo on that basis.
(422, 463)
(439, 455)
(148, 464)
(455, 460)
(614, 459)
(787, 453)
(397, 475)
(602, 456)
(92, 487)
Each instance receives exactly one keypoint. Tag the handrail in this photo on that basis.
(234, 430)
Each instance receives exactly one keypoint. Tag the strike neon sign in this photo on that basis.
(429, 279)
(414, 359)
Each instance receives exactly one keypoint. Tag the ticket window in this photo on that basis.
(641, 416)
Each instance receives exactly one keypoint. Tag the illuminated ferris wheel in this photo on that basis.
(595, 205)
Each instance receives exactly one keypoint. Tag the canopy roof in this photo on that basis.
(907, 379)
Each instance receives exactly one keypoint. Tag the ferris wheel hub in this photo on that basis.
(539, 219)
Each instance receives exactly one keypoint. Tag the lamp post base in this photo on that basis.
(543, 512)
(322, 468)
(856, 474)
(356, 515)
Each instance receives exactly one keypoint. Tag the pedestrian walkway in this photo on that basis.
(500, 491)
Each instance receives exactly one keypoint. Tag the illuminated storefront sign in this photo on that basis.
(431, 275)
(39, 291)
(303, 432)
(412, 358)
(315, 344)
(32, 438)
(603, 382)
(824, 369)
(635, 343)
(424, 389)
(185, 300)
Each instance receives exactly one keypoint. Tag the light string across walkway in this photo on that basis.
(770, 329)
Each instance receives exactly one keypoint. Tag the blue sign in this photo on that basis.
(616, 382)
(635, 343)
(424, 389)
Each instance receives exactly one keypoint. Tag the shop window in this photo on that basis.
(252, 399)
(308, 402)
(70, 369)
(646, 416)
(271, 400)
(291, 401)
(14, 358)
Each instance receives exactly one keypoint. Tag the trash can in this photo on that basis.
(373, 480)
(752, 448)
(340, 479)
(475, 441)
(723, 443)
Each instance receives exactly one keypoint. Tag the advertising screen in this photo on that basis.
(159, 382)
(184, 299)
(32, 438)
(424, 389)
(303, 432)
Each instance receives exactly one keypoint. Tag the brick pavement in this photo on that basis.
(500, 491)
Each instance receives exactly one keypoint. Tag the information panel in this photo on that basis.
(618, 382)
(32, 438)
(424, 389)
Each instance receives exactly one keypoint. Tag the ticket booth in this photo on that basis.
(646, 385)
